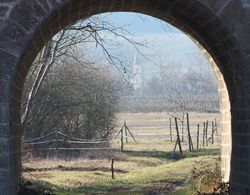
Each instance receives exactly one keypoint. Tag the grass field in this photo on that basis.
(154, 119)
(155, 126)
(147, 166)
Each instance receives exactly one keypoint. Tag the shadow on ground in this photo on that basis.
(161, 155)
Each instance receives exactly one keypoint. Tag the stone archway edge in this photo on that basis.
(222, 27)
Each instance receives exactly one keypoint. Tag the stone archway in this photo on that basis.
(220, 26)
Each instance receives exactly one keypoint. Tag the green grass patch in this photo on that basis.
(151, 171)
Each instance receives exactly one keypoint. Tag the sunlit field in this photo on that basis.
(148, 165)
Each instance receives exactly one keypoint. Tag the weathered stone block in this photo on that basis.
(8, 1)
(244, 37)
(7, 68)
(49, 5)
(221, 25)
(4, 160)
(28, 11)
(3, 10)
(215, 5)
(13, 37)
(3, 145)
(3, 175)
(4, 133)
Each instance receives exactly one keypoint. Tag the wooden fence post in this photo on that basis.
(212, 136)
(126, 131)
(170, 130)
(112, 168)
(182, 129)
(190, 142)
(203, 138)
(206, 133)
(122, 139)
(215, 125)
(56, 144)
(119, 132)
(198, 135)
(131, 134)
(178, 141)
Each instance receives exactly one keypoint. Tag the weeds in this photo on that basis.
(207, 178)
(27, 187)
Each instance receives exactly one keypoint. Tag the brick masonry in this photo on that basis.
(222, 27)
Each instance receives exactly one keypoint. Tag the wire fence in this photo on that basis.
(56, 138)
(58, 141)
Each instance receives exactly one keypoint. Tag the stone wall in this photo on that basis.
(222, 27)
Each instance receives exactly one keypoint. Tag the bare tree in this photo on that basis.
(64, 47)
(78, 102)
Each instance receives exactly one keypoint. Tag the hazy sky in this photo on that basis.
(141, 24)
(165, 43)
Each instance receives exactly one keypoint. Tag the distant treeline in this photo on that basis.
(160, 104)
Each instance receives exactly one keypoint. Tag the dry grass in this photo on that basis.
(139, 170)
(144, 126)
(154, 119)
(146, 166)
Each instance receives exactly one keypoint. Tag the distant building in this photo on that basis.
(136, 79)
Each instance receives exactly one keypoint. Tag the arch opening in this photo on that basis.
(221, 86)
(61, 16)
(204, 51)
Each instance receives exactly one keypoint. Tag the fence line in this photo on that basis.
(143, 134)
(155, 127)
(156, 134)
(124, 132)
(73, 142)
(79, 139)
(31, 140)
(42, 142)
(45, 149)
(108, 141)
